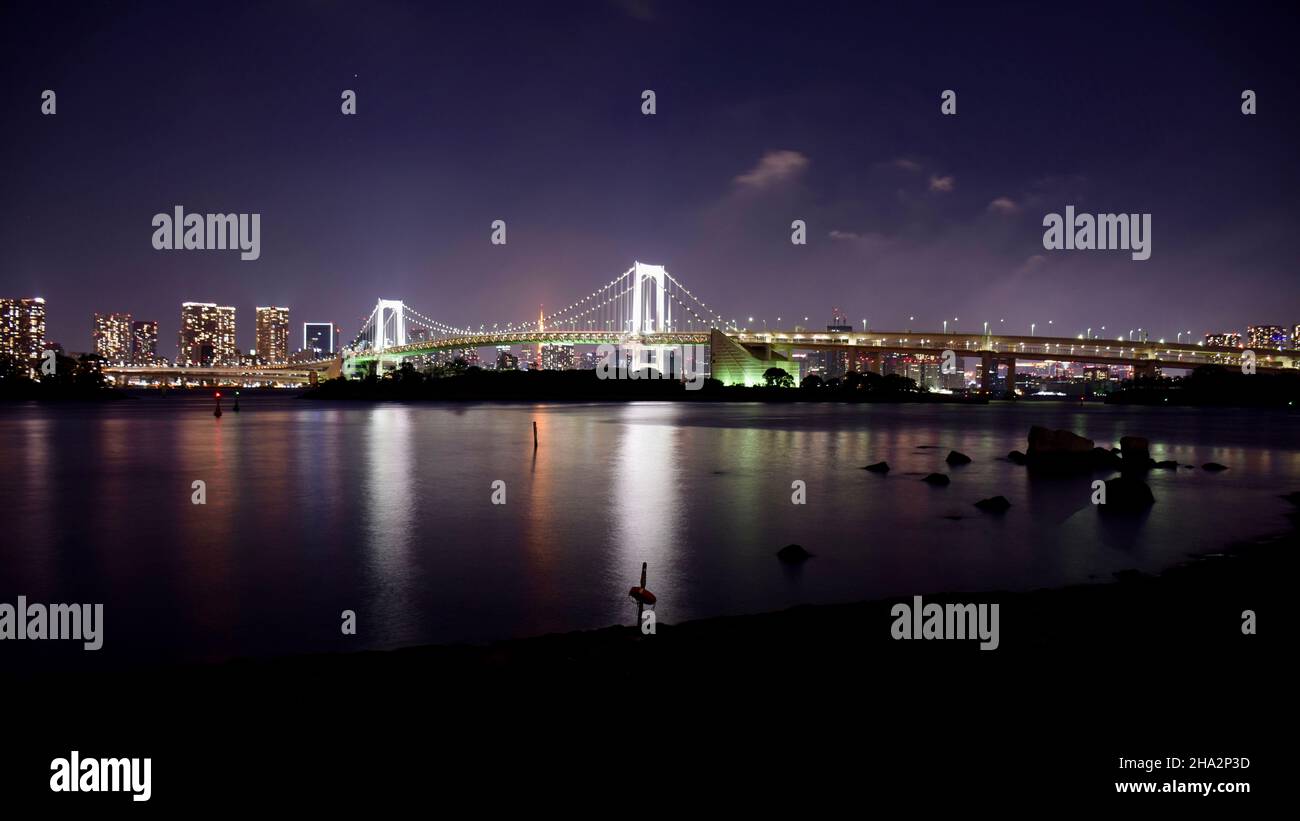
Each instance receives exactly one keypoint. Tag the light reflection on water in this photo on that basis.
(386, 510)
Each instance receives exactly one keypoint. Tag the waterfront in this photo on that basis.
(313, 508)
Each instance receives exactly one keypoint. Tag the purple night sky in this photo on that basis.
(530, 113)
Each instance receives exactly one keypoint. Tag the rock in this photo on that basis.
(1059, 450)
(1293, 498)
(956, 457)
(878, 467)
(1127, 493)
(793, 554)
(1189, 467)
(994, 504)
(1135, 452)
(1214, 467)
(1016, 457)
(939, 479)
(1044, 442)
(1168, 464)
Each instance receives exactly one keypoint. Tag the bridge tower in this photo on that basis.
(390, 330)
(642, 321)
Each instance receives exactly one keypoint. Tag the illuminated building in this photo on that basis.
(22, 329)
(113, 338)
(207, 335)
(318, 337)
(506, 361)
(1223, 340)
(1267, 336)
(273, 335)
(144, 342)
(557, 358)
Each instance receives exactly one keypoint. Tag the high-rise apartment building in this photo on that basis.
(207, 335)
(318, 337)
(506, 361)
(557, 357)
(273, 335)
(1223, 340)
(22, 329)
(113, 336)
(144, 342)
(1267, 336)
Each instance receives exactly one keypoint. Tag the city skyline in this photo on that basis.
(908, 212)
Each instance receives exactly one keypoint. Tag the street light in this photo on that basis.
(1031, 328)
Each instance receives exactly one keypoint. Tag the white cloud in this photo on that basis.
(1004, 205)
(850, 235)
(943, 184)
(906, 165)
(775, 167)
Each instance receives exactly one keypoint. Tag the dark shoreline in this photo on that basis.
(1194, 607)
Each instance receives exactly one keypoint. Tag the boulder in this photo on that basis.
(993, 504)
(1046, 443)
(956, 457)
(1136, 453)
(793, 554)
(1016, 457)
(878, 467)
(1059, 450)
(1168, 464)
(939, 479)
(1213, 467)
(1127, 493)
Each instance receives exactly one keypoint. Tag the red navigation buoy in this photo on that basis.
(641, 595)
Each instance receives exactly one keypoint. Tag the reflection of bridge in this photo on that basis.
(648, 306)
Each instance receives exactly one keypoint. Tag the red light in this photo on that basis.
(218, 394)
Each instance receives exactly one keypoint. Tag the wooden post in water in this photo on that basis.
(640, 602)
(534, 434)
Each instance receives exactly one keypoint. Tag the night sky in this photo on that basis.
(531, 113)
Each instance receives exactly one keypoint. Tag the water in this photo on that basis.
(386, 510)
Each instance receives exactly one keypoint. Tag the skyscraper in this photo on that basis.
(207, 335)
(557, 358)
(144, 342)
(22, 329)
(113, 337)
(273, 335)
(1267, 336)
(1223, 340)
(318, 337)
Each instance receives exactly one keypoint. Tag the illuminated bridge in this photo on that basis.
(647, 306)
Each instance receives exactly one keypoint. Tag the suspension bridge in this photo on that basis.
(648, 306)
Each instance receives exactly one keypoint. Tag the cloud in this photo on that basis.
(774, 168)
(1004, 205)
(942, 184)
(905, 164)
(849, 235)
